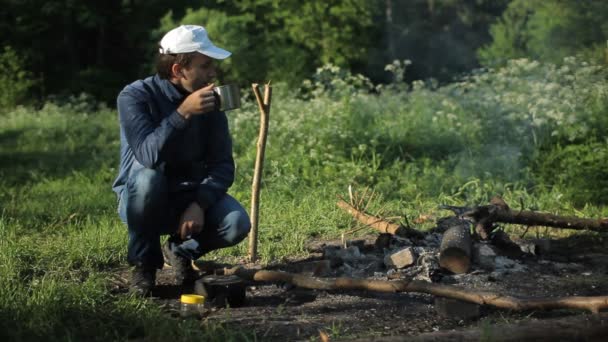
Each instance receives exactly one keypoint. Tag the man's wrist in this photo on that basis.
(183, 113)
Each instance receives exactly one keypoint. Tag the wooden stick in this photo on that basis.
(592, 304)
(374, 222)
(379, 224)
(264, 107)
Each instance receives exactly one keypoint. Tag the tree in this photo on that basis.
(548, 31)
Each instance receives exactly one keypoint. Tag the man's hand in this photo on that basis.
(192, 221)
(199, 102)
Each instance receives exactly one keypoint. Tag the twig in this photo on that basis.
(362, 198)
(369, 200)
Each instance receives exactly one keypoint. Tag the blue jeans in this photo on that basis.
(151, 207)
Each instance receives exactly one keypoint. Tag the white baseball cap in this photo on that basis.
(190, 38)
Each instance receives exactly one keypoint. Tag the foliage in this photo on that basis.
(335, 81)
(339, 31)
(548, 31)
(15, 81)
(75, 46)
(439, 37)
(283, 47)
(536, 103)
(82, 46)
(580, 168)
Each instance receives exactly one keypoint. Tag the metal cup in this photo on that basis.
(228, 97)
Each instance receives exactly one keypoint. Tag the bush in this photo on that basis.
(548, 31)
(515, 111)
(582, 169)
(15, 81)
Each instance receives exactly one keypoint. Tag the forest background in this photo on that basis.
(69, 47)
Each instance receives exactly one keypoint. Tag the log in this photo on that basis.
(455, 249)
(498, 211)
(380, 224)
(592, 304)
(574, 328)
(532, 218)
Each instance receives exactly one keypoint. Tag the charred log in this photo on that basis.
(455, 249)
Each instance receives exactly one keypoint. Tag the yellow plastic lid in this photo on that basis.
(192, 299)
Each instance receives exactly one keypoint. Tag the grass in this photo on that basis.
(60, 236)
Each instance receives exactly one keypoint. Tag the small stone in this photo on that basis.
(401, 258)
(484, 255)
(432, 240)
(501, 262)
(527, 247)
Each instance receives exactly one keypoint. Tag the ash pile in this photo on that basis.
(438, 255)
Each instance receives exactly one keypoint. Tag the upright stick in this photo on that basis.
(264, 106)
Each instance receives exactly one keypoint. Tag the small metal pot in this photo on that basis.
(228, 97)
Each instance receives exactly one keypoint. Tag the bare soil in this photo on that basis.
(577, 266)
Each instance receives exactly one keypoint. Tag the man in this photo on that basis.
(176, 162)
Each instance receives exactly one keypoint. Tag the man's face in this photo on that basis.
(200, 73)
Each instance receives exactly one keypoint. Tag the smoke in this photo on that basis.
(496, 161)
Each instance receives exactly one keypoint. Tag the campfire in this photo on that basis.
(462, 248)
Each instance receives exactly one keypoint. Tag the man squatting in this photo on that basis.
(176, 162)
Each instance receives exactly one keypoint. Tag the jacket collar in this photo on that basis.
(168, 89)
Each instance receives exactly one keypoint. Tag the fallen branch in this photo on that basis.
(592, 304)
(498, 211)
(576, 328)
(379, 224)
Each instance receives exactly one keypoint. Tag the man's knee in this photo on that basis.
(147, 196)
(239, 226)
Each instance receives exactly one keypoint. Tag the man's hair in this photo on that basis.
(164, 62)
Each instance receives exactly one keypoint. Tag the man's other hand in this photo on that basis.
(192, 221)
(199, 102)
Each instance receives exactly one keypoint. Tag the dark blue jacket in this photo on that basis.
(154, 135)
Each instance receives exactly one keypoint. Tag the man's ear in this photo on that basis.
(176, 71)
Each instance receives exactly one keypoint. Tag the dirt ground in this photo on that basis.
(576, 266)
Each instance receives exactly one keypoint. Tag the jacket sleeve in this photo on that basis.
(146, 137)
(220, 163)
